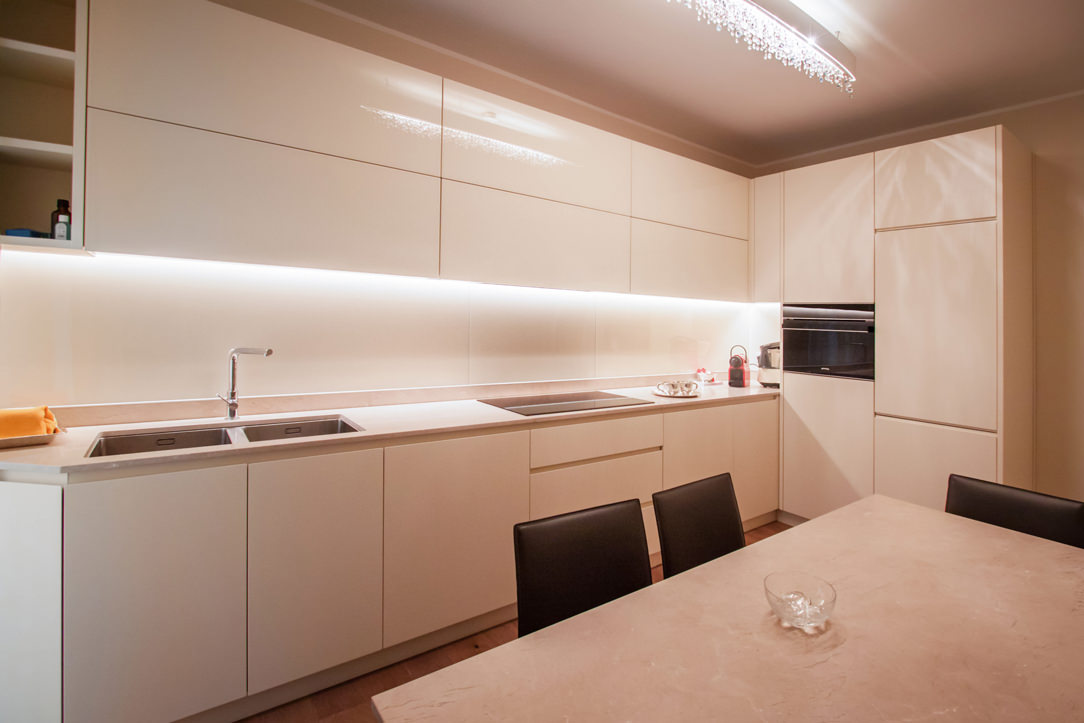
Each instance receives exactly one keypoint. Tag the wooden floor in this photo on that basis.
(349, 702)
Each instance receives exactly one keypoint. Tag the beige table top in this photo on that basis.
(938, 618)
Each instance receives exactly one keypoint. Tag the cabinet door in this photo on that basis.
(492, 141)
(315, 555)
(505, 238)
(154, 595)
(828, 232)
(676, 190)
(936, 347)
(165, 190)
(698, 443)
(203, 65)
(827, 443)
(672, 261)
(449, 508)
(947, 179)
(756, 457)
(914, 459)
(767, 244)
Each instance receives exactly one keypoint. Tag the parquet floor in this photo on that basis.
(349, 701)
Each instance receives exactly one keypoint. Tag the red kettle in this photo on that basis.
(739, 367)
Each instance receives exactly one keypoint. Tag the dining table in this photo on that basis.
(938, 618)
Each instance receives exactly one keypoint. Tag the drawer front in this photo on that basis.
(574, 442)
(578, 487)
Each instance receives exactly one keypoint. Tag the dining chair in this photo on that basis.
(1033, 513)
(570, 563)
(698, 521)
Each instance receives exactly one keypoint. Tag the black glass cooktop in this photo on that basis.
(553, 403)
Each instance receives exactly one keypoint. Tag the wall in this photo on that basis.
(112, 328)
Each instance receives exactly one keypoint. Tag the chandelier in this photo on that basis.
(766, 33)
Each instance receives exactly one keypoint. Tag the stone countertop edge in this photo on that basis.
(48, 464)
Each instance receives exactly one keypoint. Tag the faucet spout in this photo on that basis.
(231, 400)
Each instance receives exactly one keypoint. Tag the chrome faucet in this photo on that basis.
(231, 400)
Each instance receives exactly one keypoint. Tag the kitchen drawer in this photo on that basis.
(573, 442)
(580, 486)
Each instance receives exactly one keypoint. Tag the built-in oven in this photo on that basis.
(828, 339)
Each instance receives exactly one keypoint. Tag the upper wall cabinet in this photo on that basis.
(495, 142)
(672, 261)
(506, 238)
(160, 189)
(207, 66)
(946, 179)
(679, 191)
(828, 232)
(767, 246)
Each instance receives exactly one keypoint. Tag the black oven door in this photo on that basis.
(831, 340)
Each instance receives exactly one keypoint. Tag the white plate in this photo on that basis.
(676, 396)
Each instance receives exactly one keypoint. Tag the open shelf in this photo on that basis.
(38, 63)
(39, 154)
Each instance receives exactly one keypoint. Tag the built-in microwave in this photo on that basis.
(828, 339)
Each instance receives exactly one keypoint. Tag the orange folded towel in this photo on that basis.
(26, 422)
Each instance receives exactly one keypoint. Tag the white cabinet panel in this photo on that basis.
(673, 189)
(698, 444)
(572, 442)
(936, 348)
(315, 555)
(827, 443)
(580, 486)
(449, 508)
(164, 190)
(914, 459)
(756, 457)
(496, 142)
(946, 179)
(767, 237)
(207, 66)
(828, 232)
(154, 595)
(506, 238)
(672, 261)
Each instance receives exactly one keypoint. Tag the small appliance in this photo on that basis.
(739, 367)
(770, 362)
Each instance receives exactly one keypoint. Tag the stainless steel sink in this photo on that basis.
(132, 443)
(298, 428)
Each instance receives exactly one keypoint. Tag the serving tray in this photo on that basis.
(27, 441)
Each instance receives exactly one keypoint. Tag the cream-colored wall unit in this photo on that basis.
(587, 440)
(827, 443)
(672, 261)
(492, 141)
(937, 331)
(828, 232)
(30, 594)
(767, 245)
(166, 190)
(507, 238)
(682, 192)
(914, 459)
(315, 564)
(938, 181)
(154, 595)
(449, 507)
(203, 65)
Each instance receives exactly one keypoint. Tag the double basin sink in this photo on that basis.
(111, 443)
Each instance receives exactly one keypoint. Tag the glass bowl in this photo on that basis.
(799, 599)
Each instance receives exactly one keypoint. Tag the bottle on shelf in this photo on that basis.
(60, 223)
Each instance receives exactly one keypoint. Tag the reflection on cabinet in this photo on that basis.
(767, 244)
(154, 595)
(315, 535)
(914, 459)
(672, 261)
(492, 141)
(682, 192)
(828, 232)
(203, 65)
(946, 179)
(506, 238)
(937, 341)
(827, 443)
(165, 190)
(449, 508)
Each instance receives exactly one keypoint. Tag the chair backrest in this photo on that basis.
(698, 522)
(1034, 513)
(570, 563)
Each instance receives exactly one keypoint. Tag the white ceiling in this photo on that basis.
(919, 62)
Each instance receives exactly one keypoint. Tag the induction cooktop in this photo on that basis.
(571, 402)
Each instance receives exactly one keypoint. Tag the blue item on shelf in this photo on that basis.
(26, 233)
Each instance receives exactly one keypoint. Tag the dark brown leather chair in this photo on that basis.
(698, 522)
(570, 563)
(1033, 513)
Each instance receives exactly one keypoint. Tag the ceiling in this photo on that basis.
(919, 62)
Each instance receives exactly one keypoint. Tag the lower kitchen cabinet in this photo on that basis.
(154, 595)
(315, 561)
(449, 508)
(697, 443)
